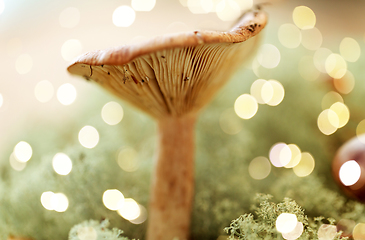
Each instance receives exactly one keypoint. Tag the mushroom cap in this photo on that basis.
(176, 74)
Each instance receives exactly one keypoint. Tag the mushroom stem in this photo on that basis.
(173, 181)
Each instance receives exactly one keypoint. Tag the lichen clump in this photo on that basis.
(95, 230)
(262, 224)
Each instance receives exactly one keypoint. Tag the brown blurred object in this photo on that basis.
(354, 149)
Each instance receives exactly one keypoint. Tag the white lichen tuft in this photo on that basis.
(95, 230)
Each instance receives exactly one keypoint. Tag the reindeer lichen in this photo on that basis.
(96, 230)
(261, 224)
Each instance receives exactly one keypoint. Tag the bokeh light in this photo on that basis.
(23, 151)
(69, 17)
(87, 233)
(24, 64)
(59, 202)
(307, 69)
(200, 7)
(124, 16)
(336, 66)
(267, 92)
(142, 216)
(256, 90)
(113, 199)
(296, 156)
(66, 94)
(304, 17)
(328, 121)
(319, 59)
(62, 164)
(280, 154)
(278, 94)
(345, 84)
(296, 233)
(268, 56)
(46, 200)
(306, 165)
(143, 5)
(127, 159)
(289, 35)
(208, 5)
(16, 164)
(330, 98)
(358, 233)
(71, 49)
(350, 173)
(286, 222)
(88, 137)
(342, 112)
(333, 118)
(1, 100)
(245, 106)
(112, 113)
(245, 4)
(130, 209)
(259, 168)
(327, 232)
(350, 49)
(229, 122)
(43, 91)
(228, 10)
(311, 38)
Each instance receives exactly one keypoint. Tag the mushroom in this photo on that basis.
(171, 78)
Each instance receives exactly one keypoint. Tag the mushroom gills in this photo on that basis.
(173, 81)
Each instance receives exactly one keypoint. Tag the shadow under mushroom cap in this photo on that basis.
(173, 75)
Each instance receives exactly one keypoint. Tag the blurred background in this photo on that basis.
(38, 39)
(306, 78)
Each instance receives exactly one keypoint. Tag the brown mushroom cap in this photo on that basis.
(173, 74)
